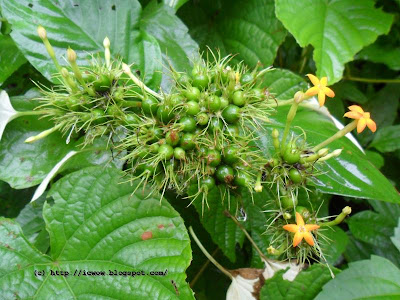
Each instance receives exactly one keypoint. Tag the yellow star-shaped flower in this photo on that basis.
(364, 118)
(319, 88)
(301, 231)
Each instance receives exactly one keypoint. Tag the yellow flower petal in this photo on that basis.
(299, 219)
(309, 239)
(324, 81)
(356, 108)
(321, 97)
(297, 238)
(311, 227)
(353, 115)
(329, 92)
(361, 125)
(291, 227)
(312, 91)
(371, 125)
(314, 80)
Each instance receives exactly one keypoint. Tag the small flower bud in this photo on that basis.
(337, 152)
(275, 133)
(346, 210)
(271, 250)
(298, 97)
(287, 216)
(126, 68)
(258, 188)
(106, 42)
(64, 72)
(323, 152)
(42, 32)
(71, 55)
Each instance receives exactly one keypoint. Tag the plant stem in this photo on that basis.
(202, 269)
(339, 219)
(371, 80)
(348, 128)
(208, 255)
(246, 234)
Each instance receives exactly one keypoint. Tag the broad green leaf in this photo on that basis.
(372, 228)
(382, 54)
(177, 47)
(375, 158)
(175, 4)
(283, 84)
(228, 25)
(24, 165)
(83, 26)
(305, 286)
(335, 243)
(224, 232)
(396, 238)
(376, 230)
(391, 211)
(387, 139)
(349, 91)
(31, 221)
(376, 278)
(10, 57)
(337, 29)
(97, 224)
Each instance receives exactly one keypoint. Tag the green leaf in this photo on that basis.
(387, 139)
(97, 224)
(372, 228)
(9, 206)
(305, 286)
(224, 232)
(172, 35)
(24, 165)
(175, 4)
(283, 84)
(382, 54)
(227, 25)
(83, 26)
(376, 278)
(396, 238)
(10, 57)
(337, 29)
(335, 244)
(375, 158)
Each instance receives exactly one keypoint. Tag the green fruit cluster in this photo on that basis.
(199, 134)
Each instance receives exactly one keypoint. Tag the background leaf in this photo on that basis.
(337, 29)
(387, 139)
(96, 224)
(305, 286)
(10, 57)
(227, 25)
(376, 278)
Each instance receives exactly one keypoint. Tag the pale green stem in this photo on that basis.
(348, 128)
(208, 255)
(247, 235)
(139, 83)
(372, 80)
(289, 119)
(339, 219)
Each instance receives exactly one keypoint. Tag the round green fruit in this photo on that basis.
(188, 141)
(150, 106)
(192, 108)
(207, 183)
(179, 153)
(242, 179)
(231, 155)
(213, 157)
(201, 81)
(291, 155)
(188, 124)
(238, 98)
(231, 114)
(213, 103)
(172, 137)
(192, 94)
(166, 151)
(202, 119)
(287, 202)
(225, 174)
(165, 113)
(295, 176)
